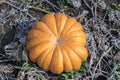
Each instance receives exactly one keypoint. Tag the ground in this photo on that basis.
(100, 20)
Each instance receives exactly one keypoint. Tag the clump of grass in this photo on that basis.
(117, 6)
(40, 9)
(71, 74)
(25, 67)
(114, 7)
(116, 73)
(36, 8)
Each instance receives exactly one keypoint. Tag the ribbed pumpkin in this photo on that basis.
(57, 43)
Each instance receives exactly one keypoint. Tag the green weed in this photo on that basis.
(116, 6)
(25, 67)
(71, 74)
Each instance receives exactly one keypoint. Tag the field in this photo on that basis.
(101, 23)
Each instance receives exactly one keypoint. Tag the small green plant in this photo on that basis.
(116, 73)
(118, 70)
(25, 67)
(70, 75)
(34, 7)
(40, 9)
(116, 6)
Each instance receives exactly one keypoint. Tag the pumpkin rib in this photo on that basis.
(57, 18)
(82, 34)
(50, 30)
(78, 40)
(44, 58)
(69, 23)
(76, 34)
(60, 22)
(37, 41)
(82, 52)
(74, 58)
(73, 50)
(32, 34)
(74, 43)
(56, 65)
(42, 27)
(51, 24)
(82, 55)
(76, 26)
(48, 59)
(36, 51)
(66, 61)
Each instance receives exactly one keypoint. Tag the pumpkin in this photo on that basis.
(57, 43)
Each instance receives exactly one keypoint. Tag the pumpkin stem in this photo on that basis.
(59, 40)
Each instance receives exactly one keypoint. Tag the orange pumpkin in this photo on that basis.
(57, 43)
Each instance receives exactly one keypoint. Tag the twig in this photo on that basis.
(100, 61)
(100, 70)
(91, 8)
(40, 9)
(13, 5)
(52, 5)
